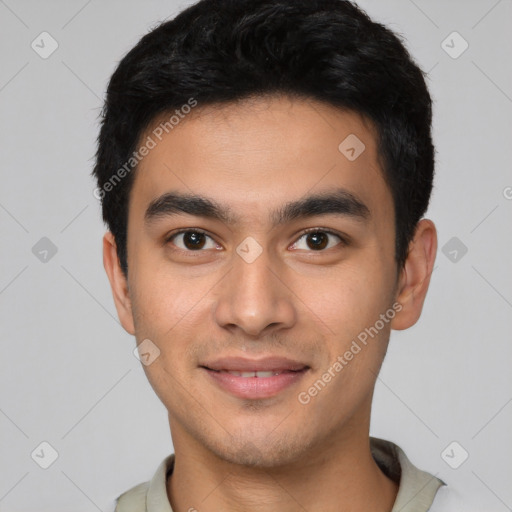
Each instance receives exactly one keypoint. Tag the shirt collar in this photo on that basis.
(416, 492)
(417, 488)
(156, 499)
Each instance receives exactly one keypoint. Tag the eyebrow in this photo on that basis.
(339, 202)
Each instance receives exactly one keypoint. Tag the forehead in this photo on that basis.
(255, 155)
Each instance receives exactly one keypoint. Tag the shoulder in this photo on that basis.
(133, 500)
(448, 499)
(148, 496)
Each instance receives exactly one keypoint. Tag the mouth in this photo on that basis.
(257, 374)
(250, 379)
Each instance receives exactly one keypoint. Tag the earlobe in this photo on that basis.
(415, 276)
(118, 283)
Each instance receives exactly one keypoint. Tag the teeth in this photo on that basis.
(260, 375)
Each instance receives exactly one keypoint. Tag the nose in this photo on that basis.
(254, 297)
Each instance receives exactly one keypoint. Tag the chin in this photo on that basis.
(260, 453)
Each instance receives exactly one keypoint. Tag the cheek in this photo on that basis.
(165, 301)
(170, 309)
(350, 298)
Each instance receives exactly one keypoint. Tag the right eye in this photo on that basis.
(192, 240)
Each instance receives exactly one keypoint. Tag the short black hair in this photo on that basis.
(221, 51)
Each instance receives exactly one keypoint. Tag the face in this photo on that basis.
(282, 267)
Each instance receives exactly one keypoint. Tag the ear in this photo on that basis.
(415, 276)
(118, 283)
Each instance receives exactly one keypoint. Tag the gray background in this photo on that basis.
(67, 372)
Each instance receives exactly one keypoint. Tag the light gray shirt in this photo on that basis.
(416, 492)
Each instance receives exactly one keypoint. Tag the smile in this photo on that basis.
(259, 374)
(254, 385)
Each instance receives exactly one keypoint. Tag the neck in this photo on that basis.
(340, 476)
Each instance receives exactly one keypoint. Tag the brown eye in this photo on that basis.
(192, 241)
(317, 240)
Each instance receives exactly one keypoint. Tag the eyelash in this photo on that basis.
(343, 240)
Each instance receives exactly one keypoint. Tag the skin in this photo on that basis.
(293, 301)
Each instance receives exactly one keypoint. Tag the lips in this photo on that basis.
(255, 379)
(243, 365)
(259, 374)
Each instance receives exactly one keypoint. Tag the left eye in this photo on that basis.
(317, 241)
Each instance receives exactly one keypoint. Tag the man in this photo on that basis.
(264, 167)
